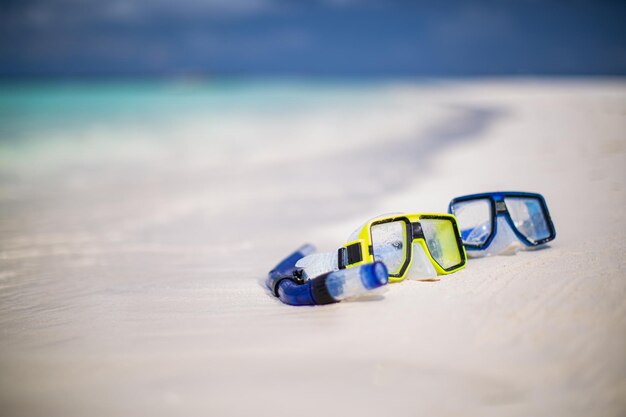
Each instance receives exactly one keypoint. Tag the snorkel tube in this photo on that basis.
(291, 285)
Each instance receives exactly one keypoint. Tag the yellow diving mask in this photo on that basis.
(414, 245)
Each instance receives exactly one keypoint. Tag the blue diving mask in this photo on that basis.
(502, 222)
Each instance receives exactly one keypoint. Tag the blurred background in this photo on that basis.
(311, 38)
(137, 90)
(323, 37)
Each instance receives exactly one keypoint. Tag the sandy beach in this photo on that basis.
(133, 246)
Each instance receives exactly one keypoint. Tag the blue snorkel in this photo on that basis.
(291, 285)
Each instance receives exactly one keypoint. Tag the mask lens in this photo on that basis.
(528, 217)
(474, 219)
(389, 244)
(441, 241)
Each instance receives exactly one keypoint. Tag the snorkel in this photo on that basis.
(292, 285)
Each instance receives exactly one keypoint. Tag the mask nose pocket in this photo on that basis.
(421, 268)
(505, 242)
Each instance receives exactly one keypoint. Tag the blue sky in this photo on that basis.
(312, 37)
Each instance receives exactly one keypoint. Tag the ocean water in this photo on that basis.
(54, 123)
(212, 148)
(27, 108)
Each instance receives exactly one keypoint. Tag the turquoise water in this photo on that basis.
(46, 125)
(29, 110)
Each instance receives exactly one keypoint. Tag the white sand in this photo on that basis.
(129, 276)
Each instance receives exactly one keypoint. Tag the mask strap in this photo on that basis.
(320, 263)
